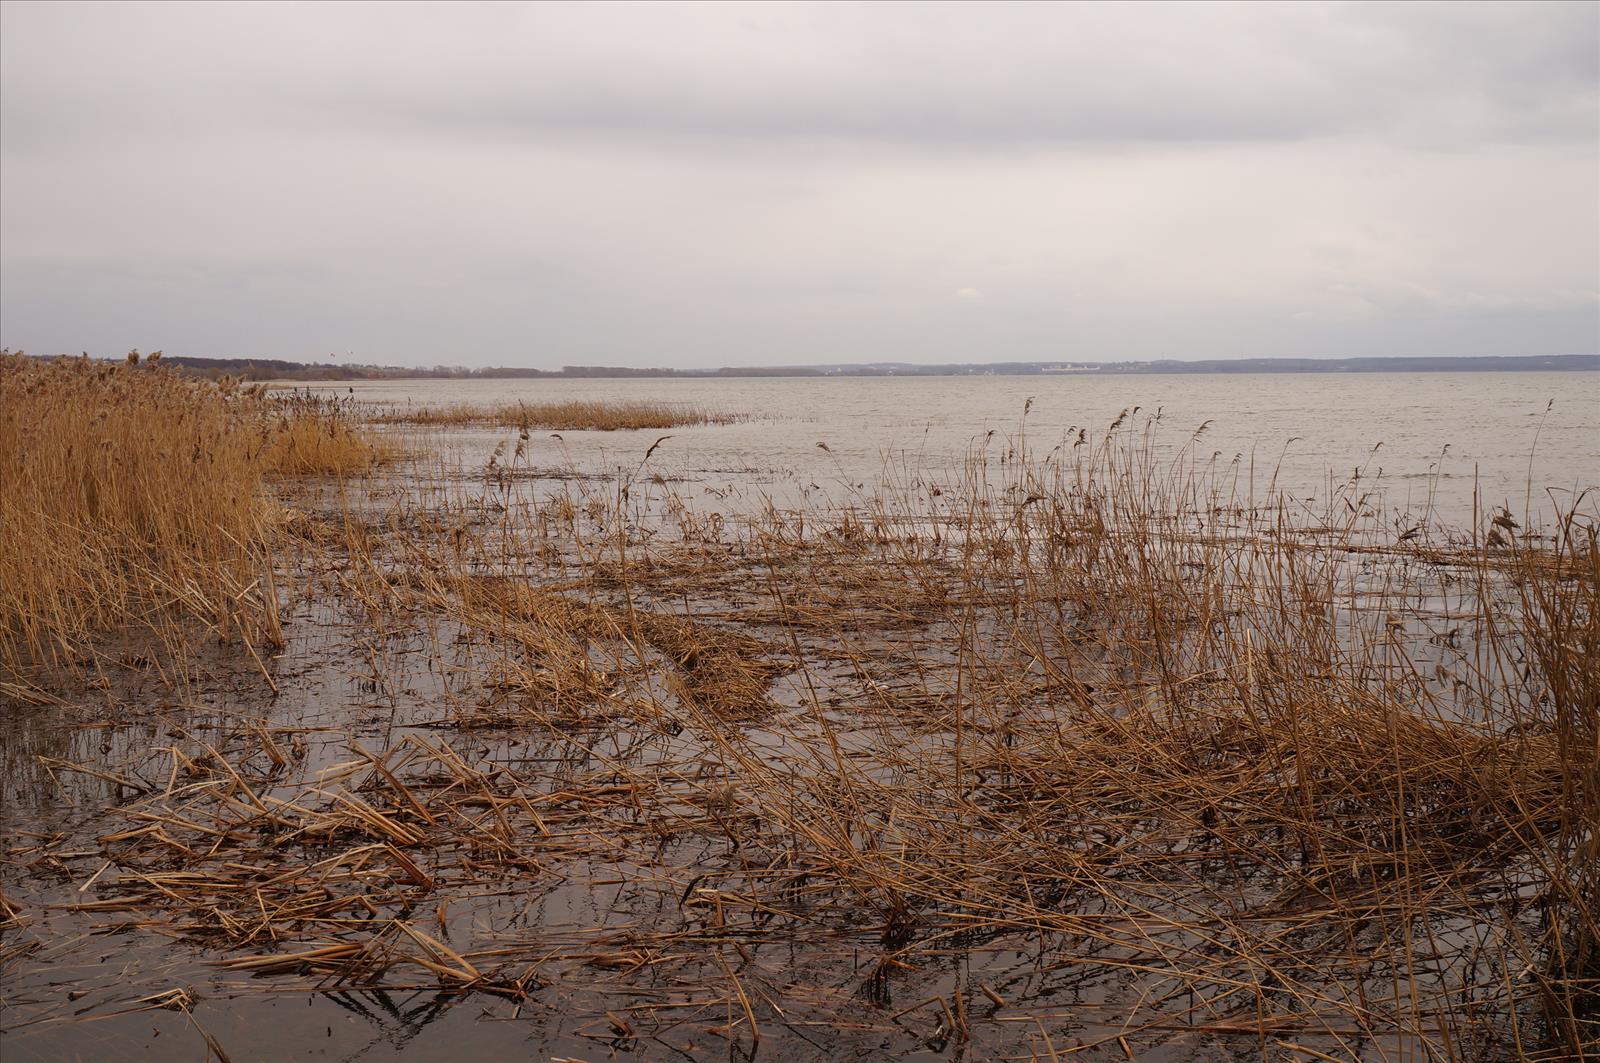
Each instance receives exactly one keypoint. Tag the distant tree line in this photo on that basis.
(259, 369)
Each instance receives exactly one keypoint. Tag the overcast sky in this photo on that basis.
(725, 184)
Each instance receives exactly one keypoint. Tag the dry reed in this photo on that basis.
(133, 495)
(312, 436)
(558, 416)
(1096, 754)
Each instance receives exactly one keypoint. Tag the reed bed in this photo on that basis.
(557, 416)
(133, 496)
(1091, 755)
(129, 494)
(308, 435)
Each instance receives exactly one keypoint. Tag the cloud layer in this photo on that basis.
(720, 184)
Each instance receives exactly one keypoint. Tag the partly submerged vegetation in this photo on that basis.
(558, 416)
(131, 495)
(1089, 754)
(310, 435)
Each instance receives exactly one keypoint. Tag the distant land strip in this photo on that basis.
(259, 369)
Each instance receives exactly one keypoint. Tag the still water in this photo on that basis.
(93, 988)
(1528, 441)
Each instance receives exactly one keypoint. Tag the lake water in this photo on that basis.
(86, 992)
(1525, 440)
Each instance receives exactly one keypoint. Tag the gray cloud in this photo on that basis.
(704, 184)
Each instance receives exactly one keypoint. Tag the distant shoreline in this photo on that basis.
(258, 369)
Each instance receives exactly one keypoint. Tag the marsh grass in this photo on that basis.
(558, 416)
(1097, 753)
(134, 496)
(309, 435)
(1304, 778)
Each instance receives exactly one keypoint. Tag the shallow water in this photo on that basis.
(74, 998)
(1528, 441)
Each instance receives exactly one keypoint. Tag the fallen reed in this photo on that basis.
(1104, 753)
(1317, 777)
